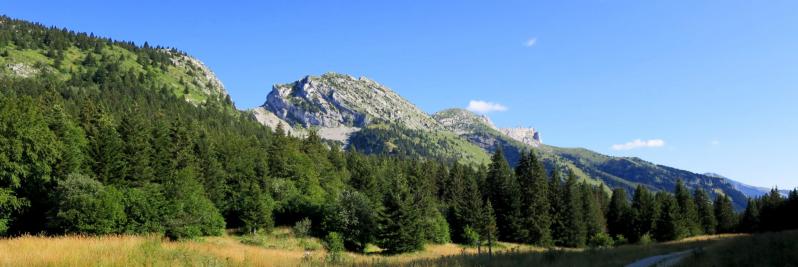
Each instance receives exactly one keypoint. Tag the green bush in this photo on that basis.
(335, 247)
(600, 240)
(470, 236)
(87, 206)
(302, 228)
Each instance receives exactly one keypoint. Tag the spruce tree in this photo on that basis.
(750, 222)
(400, 220)
(706, 212)
(618, 215)
(489, 230)
(135, 131)
(687, 209)
(724, 213)
(535, 201)
(669, 224)
(557, 208)
(593, 216)
(575, 231)
(503, 191)
(644, 214)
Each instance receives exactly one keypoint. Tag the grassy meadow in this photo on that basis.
(282, 248)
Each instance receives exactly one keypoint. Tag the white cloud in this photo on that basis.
(637, 143)
(480, 106)
(714, 142)
(531, 42)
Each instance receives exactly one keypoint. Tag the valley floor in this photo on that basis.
(281, 248)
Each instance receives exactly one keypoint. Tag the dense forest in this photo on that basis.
(108, 151)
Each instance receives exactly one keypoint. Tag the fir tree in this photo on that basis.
(503, 191)
(706, 212)
(687, 209)
(750, 219)
(488, 228)
(534, 200)
(644, 213)
(724, 213)
(575, 231)
(618, 215)
(669, 223)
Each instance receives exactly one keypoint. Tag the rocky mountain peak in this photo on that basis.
(335, 100)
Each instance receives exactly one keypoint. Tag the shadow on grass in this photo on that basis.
(618, 256)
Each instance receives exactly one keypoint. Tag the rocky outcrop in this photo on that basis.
(461, 121)
(527, 136)
(335, 100)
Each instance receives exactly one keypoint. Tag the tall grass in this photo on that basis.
(282, 248)
(768, 249)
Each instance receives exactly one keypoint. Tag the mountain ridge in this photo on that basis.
(314, 102)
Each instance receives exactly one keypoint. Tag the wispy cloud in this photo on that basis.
(531, 42)
(637, 143)
(480, 106)
(714, 142)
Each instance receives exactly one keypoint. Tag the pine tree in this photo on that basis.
(135, 132)
(106, 151)
(557, 208)
(575, 230)
(724, 213)
(706, 211)
(255, 208)
(687, 209)
(618, 215)
(534, 200)
(400, 221)
(644, 214)
(488, 228)
(750, 220)
(503, 191)
(669, 223)
(593, 216)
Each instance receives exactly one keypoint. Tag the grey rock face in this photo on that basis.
(480, 130)
(335, 100)
(527, 136)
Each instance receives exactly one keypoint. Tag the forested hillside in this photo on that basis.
(105, 149)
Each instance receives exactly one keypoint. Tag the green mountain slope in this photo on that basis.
(33, 50)
(614, 172)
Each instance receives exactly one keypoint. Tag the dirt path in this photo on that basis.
(661, 260)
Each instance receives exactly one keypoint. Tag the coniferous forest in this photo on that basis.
(106, 150)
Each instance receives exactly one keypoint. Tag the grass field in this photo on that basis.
(281, 248)
(768, 249)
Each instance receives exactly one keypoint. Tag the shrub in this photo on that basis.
(600, 240)
(87, 206)
(302, 228)
(645, 239)
(470, 236)
(335, 247)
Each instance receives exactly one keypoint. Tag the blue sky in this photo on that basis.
(706, 86)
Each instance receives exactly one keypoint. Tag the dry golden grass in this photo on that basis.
(281, 248)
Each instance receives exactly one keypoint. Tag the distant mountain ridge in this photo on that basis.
(749, 190)
(374, 119)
